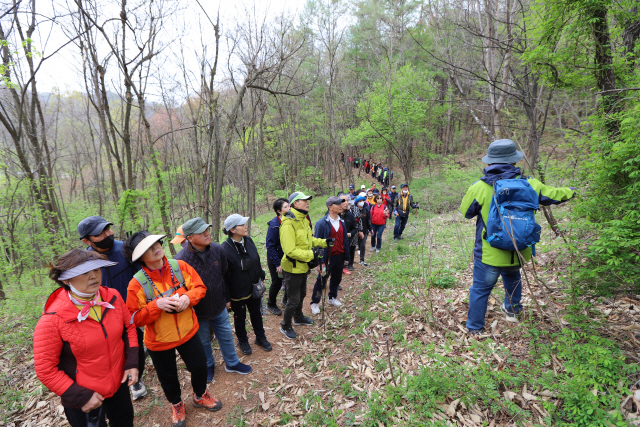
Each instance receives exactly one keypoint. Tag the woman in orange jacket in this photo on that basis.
(160, 297)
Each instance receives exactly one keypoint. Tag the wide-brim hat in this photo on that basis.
(85, 267)
(502, 151)
(145, 244)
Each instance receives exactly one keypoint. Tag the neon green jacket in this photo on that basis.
(478, 200)
(297, 240)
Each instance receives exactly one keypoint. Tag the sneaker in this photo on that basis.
(363, 263)
(210, 371)
(305, 321)
(373, 248)
(262, 342)
(511, 317)
(238, 368)
(334, 302)
(339, 287)
(288, 332)
(207, 402)
(350, 267)
(346, 271)
(138, 390)
(245, 348)
(377, 251)
(475, 332)
(274, 309)
(314, 309)
(178, 415)
(400, 237)
(395, 239)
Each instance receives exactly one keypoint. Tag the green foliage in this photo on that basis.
(445, 279)
(129, 209)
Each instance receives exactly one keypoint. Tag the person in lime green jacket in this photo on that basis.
(490, 263)
(297, 243)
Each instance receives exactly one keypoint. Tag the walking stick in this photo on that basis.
(324, 291)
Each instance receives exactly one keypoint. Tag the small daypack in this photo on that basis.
(147, 287)
(512, 214)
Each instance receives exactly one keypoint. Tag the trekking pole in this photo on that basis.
(324, 291)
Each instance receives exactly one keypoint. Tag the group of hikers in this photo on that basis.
(378, 171)
(117, 298)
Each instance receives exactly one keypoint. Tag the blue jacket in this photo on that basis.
(274, 249)
(118, 276)
(323, 231)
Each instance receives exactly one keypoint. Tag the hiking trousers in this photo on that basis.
(276, 284)
(401, 223)
(296, 285)
(117, 408)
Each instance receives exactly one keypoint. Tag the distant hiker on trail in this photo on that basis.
(392, 198)
(385, 177)
(160, 297)
(332, 228)
(83, 355)
(179, 239)
(385, 199)
(367, 166)
(352, 192)
(379, 215)
(352, 231)
(300, 248)
(243, 277)
(363, 215)
(96, 232)
(490, 261)
(274, 256)
(402, 208)
(208, 259)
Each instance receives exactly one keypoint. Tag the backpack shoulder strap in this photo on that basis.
(173, 263)
(144, 283)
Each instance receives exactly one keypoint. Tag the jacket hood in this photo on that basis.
(274, 222)
(499, 171)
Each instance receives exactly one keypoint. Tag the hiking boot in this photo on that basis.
(178, 415)
(305, 321)
(346, 271)
(262, 342)
(274, 309)
(475, 332)
(334, 302)
(245, 348)
(511, 317)
(314, 309)
(350, 267)
(363, 263)
(138, 390)
(238, 368)
(400, 237)
(210, 371)
(288, 332)
(207, 402)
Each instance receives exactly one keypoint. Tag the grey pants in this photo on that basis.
(296, 285)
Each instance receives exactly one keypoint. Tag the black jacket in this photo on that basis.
(210, 264)
(365, 217)
(240, 283)
(349, 222)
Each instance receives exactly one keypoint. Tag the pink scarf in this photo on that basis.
(84, 313)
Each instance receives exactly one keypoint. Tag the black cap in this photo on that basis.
(92, 226)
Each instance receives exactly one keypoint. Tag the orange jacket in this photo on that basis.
(73, 359)
(163, 330)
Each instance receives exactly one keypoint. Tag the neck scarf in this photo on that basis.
(86, 305)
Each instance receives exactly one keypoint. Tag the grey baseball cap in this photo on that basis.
(92, 226)
(233, 220)
(502, 151)
(194, 226)
(333, 200)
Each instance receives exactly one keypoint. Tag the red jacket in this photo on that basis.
(379, 215)
(73, 359)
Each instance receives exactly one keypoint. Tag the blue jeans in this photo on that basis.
(222, 328)
(485, 278)
(377, 234)
(401, 222)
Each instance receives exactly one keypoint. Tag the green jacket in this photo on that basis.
(297, 240)
(478, 200)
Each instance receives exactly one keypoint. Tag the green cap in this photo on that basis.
(298, 196)
(194, 226)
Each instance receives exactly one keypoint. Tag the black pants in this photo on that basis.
(240, 317)
(117, 408)
(352, 252)
(276, 284)
(141, 360)
(192, 354)
(361, 247)
(336, 264)
(296, 284)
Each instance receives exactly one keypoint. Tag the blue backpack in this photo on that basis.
(512, 214)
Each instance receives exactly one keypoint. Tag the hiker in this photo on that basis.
(379, 215)
(350, 222)
(96, 232)
(87, 358)
(392, 197)
(370, 197)
(274, 256)
(160, 297)
(492, 262)
(385, 177)
(380, 172)
(243, 275)
(374, 189)
(300, 248)
(402, 208)
(331, 226)
(374, 169)
(362, 214)
(179, 238)
(208, 259)
(352, 192)
(367, 166)
(385, 198)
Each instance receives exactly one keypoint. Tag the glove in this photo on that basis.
(330, 242)
(318, 252)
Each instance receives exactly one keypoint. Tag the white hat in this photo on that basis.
(145, 244)
(363, 187)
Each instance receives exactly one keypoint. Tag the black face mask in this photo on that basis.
(106, 243)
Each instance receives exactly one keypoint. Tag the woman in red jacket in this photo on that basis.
(379, 215)
(85, 347)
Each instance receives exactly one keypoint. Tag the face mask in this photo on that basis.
(80, 294)
(370, 194)
(106, 243)
(405, 191)
(360, 204)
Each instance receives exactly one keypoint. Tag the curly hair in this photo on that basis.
(68, 260)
